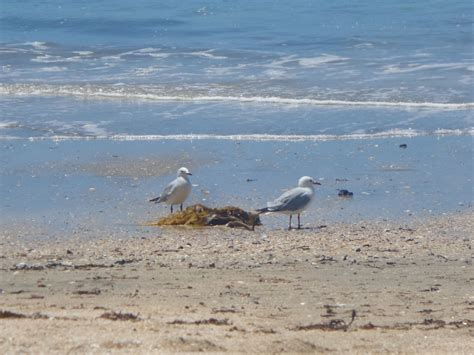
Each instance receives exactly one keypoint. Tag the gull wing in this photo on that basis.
(292, 200)
(167, 192)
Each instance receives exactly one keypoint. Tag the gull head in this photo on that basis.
(307, 181)
(183, 172)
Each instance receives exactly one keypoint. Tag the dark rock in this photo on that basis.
(345, 193)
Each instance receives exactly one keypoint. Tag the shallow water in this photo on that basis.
(70, 185)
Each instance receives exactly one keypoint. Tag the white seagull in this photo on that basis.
(293, 201)
(177, 190)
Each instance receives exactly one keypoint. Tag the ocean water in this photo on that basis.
(284, 68)
(93, 76)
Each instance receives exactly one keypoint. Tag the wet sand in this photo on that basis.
(375, 287)
(71, 185)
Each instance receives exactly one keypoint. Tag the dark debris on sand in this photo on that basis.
(120, 316)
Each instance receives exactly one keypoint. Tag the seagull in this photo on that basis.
(177, 190)
(293, 201)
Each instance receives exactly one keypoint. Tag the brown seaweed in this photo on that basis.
(199, 216)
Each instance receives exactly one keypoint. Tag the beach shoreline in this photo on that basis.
(368, 287)
(101, 103)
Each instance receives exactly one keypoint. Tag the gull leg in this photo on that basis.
(171, 209)
(181, 207)
(289, 225)
(299, 224)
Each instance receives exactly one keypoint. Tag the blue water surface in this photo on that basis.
(344, 50)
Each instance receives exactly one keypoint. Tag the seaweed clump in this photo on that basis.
(199, 216)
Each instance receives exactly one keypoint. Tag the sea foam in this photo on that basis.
(395, 133)
(157, 94)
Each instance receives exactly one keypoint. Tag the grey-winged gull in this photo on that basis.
(177, 190)
(293, 201)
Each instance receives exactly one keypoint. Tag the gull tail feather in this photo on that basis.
(155, 200)
(263, 210)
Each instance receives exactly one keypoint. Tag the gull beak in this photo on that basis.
(189, 174)
(316, 183)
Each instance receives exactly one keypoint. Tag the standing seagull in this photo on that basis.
(177, 190)
(293, 201)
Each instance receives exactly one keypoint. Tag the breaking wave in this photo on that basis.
(395, 133)
(161, 94)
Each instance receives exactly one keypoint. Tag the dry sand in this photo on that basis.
(365, 288)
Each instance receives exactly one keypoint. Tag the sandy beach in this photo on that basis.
(375, 287)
